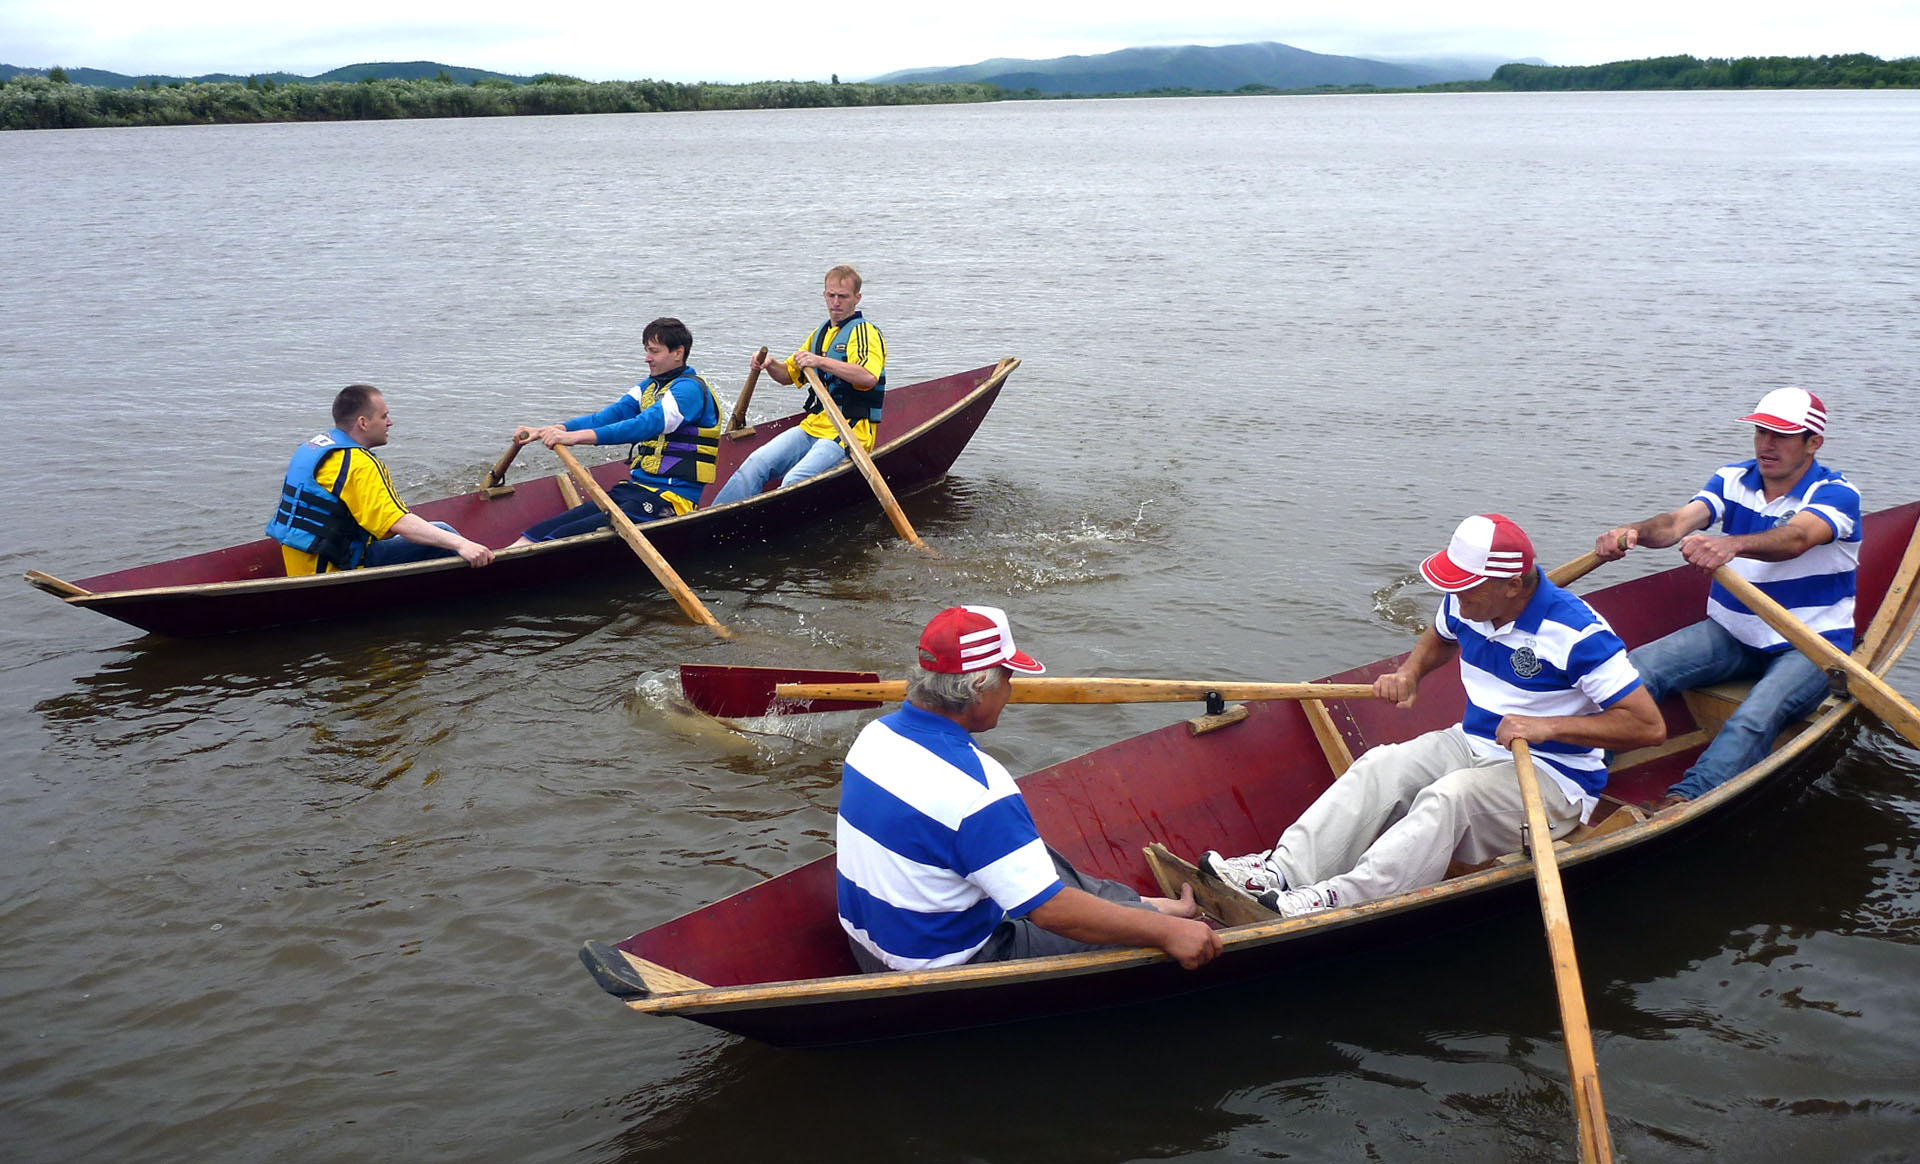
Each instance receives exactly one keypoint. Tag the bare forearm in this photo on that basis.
(1634, 722)
(1073, 913)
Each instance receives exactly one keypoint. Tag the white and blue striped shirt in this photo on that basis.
(1818, 585)
(936, 844)
(1559, 657)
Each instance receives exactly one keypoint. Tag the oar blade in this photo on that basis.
(745, 692)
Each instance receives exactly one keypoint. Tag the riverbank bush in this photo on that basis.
(33, 102)
(1847, 71)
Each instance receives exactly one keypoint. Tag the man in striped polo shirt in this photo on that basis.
(1538, 664)
(1789, 525)
(939, 859)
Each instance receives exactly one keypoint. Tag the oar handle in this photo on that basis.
(1584, 1072)
(630, 533)
(740, 406)
(1092, 690)
(858, 453)
(1579, 568)
(1864, 685)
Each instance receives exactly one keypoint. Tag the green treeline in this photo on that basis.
(1850, 71)
(32, 102)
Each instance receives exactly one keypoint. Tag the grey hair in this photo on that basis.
(935, 691)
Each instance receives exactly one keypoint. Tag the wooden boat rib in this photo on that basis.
(243, 587)
(771, 962)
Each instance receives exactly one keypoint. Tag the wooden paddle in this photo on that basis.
(496, 478)
(630, 532)
(1595, 1144)
(741, 692)
(733, 430)
(1573, 571)
(861, 458)
(745, 692)
(1864, 685)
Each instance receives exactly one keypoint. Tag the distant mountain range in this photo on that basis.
(1212, 69)
(1219, 69)
(390, 70)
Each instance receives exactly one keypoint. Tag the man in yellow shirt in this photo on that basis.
(338, 510)
(851, 358)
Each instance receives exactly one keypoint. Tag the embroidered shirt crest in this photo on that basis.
(1526, 664)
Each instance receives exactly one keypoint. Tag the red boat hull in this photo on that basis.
(1233, 790)
(244, 587)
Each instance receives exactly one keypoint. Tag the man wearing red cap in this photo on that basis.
(1538, 664)
(939, 860)
(1789, 525)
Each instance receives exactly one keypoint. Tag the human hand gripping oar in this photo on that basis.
(630, 532)
(1871, 690)
(1583, 1072)
(860, 457)
(733, 429)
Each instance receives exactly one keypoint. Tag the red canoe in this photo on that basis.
(771, 962)
(244, 587)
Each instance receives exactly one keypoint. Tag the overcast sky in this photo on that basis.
(742, 40)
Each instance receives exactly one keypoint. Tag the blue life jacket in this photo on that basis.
(855, 403)
(313, 519)
(687, 453)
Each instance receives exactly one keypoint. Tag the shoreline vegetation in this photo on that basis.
(33, 101)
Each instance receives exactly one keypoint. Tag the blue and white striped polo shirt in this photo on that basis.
(1559, 657)
(936, 844)
(1818, 585)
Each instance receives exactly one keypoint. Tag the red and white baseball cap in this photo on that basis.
(1789, 410)
(972, 638)
(1486, 545)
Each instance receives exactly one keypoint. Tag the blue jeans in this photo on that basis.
(1786, 686)
(396, 549)
(793, 453)
(637, 502)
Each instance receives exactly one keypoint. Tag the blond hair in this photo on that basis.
(843, 271)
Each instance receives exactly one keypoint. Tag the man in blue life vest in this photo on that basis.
(1538, 664)
(1789, 525)
(338, 510)
(851, 358)
(939, 861)
(671, 418)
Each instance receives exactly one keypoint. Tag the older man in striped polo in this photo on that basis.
(1538, 664)
(939, 860)
(1790, 526)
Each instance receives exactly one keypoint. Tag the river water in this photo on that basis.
(316, 895)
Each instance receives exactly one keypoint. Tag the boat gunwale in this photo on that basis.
(761, 995)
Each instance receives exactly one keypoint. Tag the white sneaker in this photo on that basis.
(1294, 902)
(1250, 875)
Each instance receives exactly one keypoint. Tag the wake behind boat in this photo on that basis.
(772, 963)
(244, 587)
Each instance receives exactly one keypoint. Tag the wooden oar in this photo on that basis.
(495, 482)
(1595, 1144)
(733, 430)
(740, 692)
(630, 532)
(864, 461)
(1864, 685)
(1579, 568)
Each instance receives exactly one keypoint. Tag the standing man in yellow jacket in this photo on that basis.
(851, 358)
